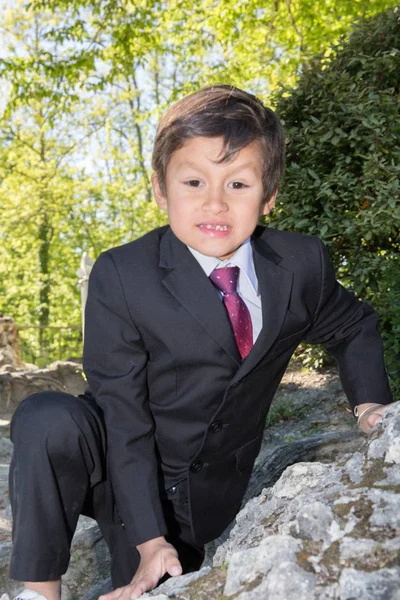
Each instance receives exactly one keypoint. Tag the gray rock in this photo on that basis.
(246, 566)
(350, 547)
(314, 521)
(287, 580)
(323, 530)
(176, 584)
(6, 449)
(361, 548)
(305, 476)
(385, 508)
(354, 467)
(391, 476)
(16, 384)
(90, 560)
(383, 584)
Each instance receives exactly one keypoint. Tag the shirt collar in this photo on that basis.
(243, 258)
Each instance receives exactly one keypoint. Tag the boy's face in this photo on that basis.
(213, 208)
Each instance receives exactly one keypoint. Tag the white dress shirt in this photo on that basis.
(247, 286)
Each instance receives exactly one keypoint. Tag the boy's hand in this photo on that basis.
(371, 417)
(157, 557)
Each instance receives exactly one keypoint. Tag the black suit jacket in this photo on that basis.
(179, 404)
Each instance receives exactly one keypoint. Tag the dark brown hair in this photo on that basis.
(228, 112)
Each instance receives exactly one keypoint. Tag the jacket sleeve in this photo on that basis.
(115, 364)
(348, 329)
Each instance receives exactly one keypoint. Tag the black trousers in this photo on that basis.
(59, 471)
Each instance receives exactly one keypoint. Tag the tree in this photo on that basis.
(342, 178)
(251, 43)
(87, 81)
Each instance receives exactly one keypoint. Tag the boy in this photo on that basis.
(188, 332)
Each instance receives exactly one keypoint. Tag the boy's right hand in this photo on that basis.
(157, 557)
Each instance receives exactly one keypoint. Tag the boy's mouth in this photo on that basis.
(214, 227)
(215, 230)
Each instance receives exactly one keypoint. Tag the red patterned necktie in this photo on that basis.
(225, 280)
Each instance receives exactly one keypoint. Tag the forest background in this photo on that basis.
(83, 84)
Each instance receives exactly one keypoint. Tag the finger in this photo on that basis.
(114, 595)
(370, 420)
(140, 588)
(144, 583)
(173, 567)
(374, 418)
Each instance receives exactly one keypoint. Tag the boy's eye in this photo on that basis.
(237, 185)
(194, 183)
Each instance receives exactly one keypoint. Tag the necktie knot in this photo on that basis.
(225, 279)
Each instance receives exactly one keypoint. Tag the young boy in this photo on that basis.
(189, 330)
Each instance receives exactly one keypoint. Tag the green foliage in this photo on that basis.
(342, 181)
(84, 84)
(284, 410)
(387, 303)
(250, 43)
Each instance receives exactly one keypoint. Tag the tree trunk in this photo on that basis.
(45, 234)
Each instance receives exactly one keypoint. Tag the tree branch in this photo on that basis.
(293, 21)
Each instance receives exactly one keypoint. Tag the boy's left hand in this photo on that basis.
(371, 417)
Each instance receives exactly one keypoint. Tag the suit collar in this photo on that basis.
(188, 283)
(275, 283)
(260, 243)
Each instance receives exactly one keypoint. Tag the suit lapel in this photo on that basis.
(188, 283)
(275, 284)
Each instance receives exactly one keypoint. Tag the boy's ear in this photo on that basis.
(158, 194)
(269, 205)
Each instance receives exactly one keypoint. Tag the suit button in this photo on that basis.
(215, 426)
(196, 466)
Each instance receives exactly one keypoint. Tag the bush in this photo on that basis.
(343, 156)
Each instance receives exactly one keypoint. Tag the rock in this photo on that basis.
(383, 584)
(322, 531)
(285, 580)
(354, 467)
(321, 518)
(247, 566)
(314, 521)
(17, 384)
(305, 476)
(176, 584)
(6, 449)
(90, 560)
(9, 345)
(350, 547)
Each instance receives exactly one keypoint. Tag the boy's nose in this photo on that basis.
(215, 203)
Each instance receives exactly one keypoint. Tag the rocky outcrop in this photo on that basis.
(322, 531)
(17, 383)
(321, 517)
